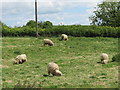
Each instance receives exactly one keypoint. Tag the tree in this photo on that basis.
(31, 23)
(40, 24)
(2, 24)
(106, 14)
(47, 24)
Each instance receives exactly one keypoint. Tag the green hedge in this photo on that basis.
(72, 30)
(84, 31)
(21, 31)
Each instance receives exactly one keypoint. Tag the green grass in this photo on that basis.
(76, 57)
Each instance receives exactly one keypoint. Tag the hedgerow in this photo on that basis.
(84, 31)
(71, 30)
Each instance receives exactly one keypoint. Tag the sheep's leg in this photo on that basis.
(48, 72)
(25, 60)
(17, 62)
(50, 44)
(20, 61)
(44, 44)
(62, 38)
(53, 74)
(102, 61)
(105, 61)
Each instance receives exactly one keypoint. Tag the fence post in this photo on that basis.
(36, 18)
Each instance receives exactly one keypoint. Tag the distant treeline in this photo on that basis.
(47, 29)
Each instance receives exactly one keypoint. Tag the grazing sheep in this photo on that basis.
(64, 37)
(53, 69)
(48, 42)
(104, 58)
(20, 59)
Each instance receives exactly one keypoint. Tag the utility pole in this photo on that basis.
(36, 18)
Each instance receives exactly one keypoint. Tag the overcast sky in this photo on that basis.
(19, 12)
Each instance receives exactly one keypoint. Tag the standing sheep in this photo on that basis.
(48, 42)
(104, 58)
(20, 59)
(64, 37)
(53, 69)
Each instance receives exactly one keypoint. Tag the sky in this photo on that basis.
(67, 12)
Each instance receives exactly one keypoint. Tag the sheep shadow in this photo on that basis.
(99, 62)
(116, 58)
(60, 40)
(46, 75)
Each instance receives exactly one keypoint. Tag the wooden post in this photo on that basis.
(36, 18)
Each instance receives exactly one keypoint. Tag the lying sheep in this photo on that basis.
(20, 59)
(53, 69)
(64, 37)
(48, 42)
(104, 58)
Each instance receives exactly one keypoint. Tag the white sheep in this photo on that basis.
(48, 42)
(104, 58)
(64, 37)
(53, 69)
(20, 59)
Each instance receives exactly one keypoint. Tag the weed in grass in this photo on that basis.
(17, 52)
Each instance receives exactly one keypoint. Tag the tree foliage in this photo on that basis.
(3, 25)
(31, 23)
(46, 24)
(107, 14)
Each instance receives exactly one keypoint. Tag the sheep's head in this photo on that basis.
(58, 73)
(15, 62)
(104, 61)
(51, 44)
(66, 39)
(24, 60)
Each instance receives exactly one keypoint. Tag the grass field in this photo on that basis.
(76, 57)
